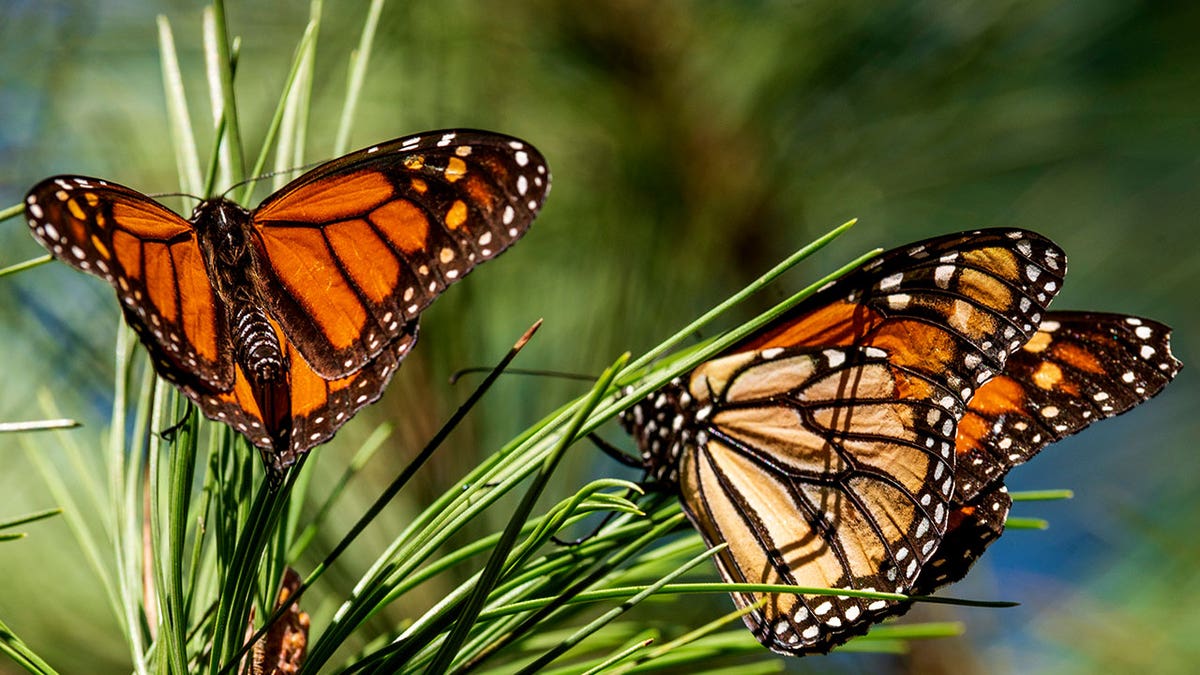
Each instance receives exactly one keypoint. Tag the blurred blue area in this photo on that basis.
(693, 145)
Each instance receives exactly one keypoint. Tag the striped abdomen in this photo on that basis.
(256, 344)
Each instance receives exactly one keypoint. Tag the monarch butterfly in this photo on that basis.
(285, 320)
(860, 440)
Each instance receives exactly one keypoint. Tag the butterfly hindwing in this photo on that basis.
(820, 471)
(314, 409)
(973, 527)
(320, 407)
(387, 229)
(151, 257)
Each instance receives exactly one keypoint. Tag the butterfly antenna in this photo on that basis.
(185, 195)
(270, 174)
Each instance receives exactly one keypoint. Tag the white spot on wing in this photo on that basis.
(942, 275)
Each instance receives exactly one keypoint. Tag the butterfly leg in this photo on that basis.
(615, 453)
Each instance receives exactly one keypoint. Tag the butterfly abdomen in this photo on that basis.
(256, 344)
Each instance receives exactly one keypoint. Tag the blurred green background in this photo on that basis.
(693, 144)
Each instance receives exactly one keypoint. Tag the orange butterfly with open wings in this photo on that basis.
(285, 320)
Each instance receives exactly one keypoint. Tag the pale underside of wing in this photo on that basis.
(819, 472)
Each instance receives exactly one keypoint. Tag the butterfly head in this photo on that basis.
(223, 225)
(219, 216)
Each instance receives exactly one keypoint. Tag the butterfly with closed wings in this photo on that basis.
(860, 440)
(285, 320)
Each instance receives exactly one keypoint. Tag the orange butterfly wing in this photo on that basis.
(386, 230)
(851, 488)
(1080, 368)
(152, 259)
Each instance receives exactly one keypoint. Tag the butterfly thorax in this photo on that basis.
(224, 232)
(662, 425)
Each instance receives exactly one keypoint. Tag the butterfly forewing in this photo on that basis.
(951, 307)
(387, 229)
(1080, 368)
(151, 257)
